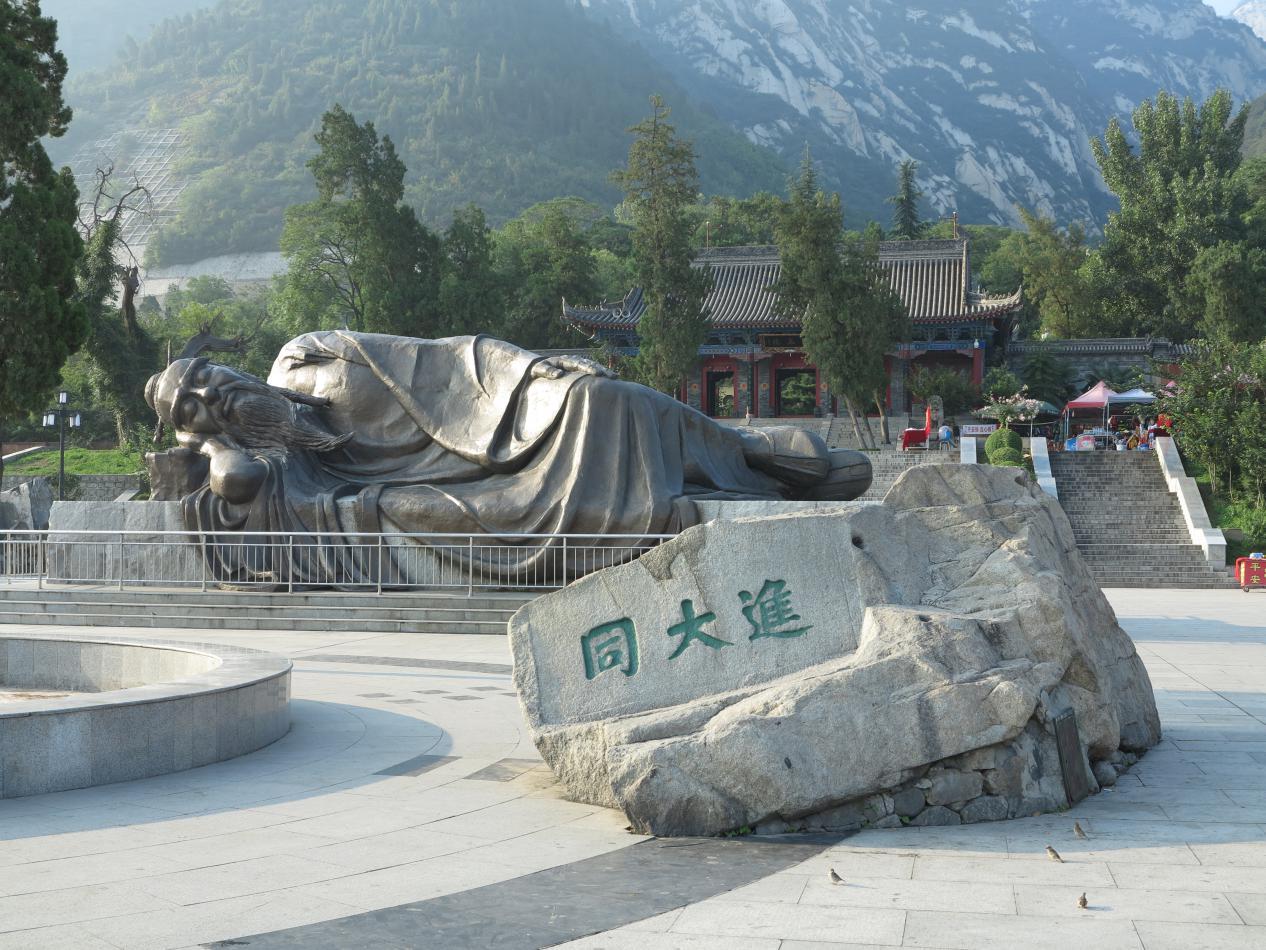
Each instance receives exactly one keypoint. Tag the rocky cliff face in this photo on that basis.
(1253, 15)
(996, 99)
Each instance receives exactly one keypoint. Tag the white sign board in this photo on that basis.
(978, 429)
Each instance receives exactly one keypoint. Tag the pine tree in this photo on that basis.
(659, 184)
(41, 324)
(906, 223)
(849, 317)
(358, 256)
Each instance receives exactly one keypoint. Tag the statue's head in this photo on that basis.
(204, 398)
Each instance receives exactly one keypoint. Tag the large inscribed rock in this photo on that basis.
(816, 670)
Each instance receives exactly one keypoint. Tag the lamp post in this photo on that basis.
(62, 417)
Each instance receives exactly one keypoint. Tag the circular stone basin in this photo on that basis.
(77, 711)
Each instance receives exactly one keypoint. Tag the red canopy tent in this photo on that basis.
(1097, 396)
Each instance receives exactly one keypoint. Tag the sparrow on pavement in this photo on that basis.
(1053, 854)
(1077, 830)
(1081, 902)
(835, 878)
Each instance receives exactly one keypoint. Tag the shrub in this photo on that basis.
(1007, 456)
(1003, 439)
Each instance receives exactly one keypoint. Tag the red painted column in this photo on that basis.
(978, 366)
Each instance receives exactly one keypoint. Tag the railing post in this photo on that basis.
(470, 566)
(41, 556)
(202, 560)
(120, 560)
(290, 564)
(380, 562)
(564, 583)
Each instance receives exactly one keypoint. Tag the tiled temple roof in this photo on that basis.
(931, 277)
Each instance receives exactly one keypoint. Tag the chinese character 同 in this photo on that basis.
(610, 646)
(769, 612)
(691, 629)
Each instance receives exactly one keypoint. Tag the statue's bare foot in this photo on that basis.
(790, 455)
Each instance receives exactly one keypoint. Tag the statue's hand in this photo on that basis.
(552, 367)
(208, 445)
(235, 475)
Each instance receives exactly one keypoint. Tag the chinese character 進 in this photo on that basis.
(691, 629)
(610, 646)
(769, 612)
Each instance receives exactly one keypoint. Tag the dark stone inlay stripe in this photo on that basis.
(407, 661)
(505, 770)
(417, 765)
(561, 904)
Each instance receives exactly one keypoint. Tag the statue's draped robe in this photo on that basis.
(458, 435)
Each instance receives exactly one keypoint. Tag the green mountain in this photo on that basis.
(93, 35)
(1255, 129)
(503, 104)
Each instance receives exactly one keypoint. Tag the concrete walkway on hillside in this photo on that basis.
(407, 808)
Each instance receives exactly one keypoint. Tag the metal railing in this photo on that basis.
(290, 561)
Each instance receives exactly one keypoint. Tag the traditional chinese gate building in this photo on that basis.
(754, 359)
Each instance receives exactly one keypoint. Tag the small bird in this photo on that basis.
(1053, 854)
(1077, 830)
(835, 878)
(1082, 902)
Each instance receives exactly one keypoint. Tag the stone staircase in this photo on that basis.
(890, 464)
(1129, 527)
(484, 612)
(840, 434)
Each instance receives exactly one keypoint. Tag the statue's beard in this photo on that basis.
(257, 417)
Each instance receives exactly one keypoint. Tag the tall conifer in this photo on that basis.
(660, 183)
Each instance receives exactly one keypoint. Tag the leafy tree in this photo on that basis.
(999, 383)
(210, 304)
(470, 297)
(1048, 378)
(955, 388)
(849, 317)
(1179, 195)
(1226, 282)
(41, 322)
(120, 355)
(725, 221)
(1049, 261)
(358, 256)
(541, 259)
(659, 184)
(906, 223)
(1216, 384)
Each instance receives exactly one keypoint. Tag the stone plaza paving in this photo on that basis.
(407, 808)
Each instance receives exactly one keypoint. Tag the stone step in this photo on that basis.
(1103, 549)
(1179, 583)
(288, 613)
(485, 613)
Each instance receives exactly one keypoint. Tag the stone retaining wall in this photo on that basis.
(84, 487)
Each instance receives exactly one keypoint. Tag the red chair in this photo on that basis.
(912, 437)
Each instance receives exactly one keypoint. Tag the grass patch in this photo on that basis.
(80, 461)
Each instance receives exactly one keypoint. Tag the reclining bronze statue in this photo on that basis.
(357, 433)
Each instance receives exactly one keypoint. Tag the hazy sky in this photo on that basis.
(1224, 6)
